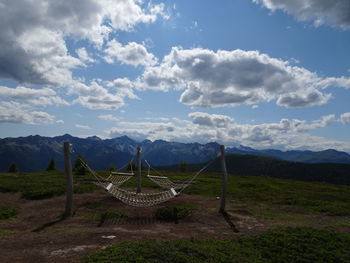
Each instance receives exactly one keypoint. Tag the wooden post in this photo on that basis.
(68, 171)
(138, 155)
(223, 181)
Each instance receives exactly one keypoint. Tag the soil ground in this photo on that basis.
(36, 234)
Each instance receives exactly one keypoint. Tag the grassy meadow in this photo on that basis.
(269, 199)
(254, 190)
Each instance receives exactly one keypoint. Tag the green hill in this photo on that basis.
(259, 165)
(253, 165)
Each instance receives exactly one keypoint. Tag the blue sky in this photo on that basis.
(261, 73)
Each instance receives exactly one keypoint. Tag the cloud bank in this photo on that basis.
(287, 134)
(332, 12)
(231, 78)
(40, 97)
(34, 45)
(14, 112)
(131, 54)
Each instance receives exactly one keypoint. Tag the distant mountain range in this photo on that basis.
(33, 153)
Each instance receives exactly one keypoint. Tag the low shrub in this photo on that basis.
(43, 185)
(282, 245)
(109, 216)
(174, 212)
(6, 212)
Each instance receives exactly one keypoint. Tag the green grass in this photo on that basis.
(276, 214)
(5, 233)
(340, 224)
(42, 185)
(6, 212)
(313, 197)
(282, 245)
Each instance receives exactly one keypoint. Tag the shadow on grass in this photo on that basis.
(229, 221)
(129, 221)
(44, 226)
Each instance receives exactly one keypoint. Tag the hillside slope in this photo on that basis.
(260, 165)
(252, 165)
(326, 156)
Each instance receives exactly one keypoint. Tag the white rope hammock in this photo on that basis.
(117, 178)
(140, 199)
(111, 185)
(165, 182)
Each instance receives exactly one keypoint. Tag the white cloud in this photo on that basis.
(42, 97)
(131, 54)
(230, 78)
(104, 102)
(345, 118)
(84, 55)
(163, 119)
(21, 92)
(286, 134)
(33, 47)
(84, 127)
(108, 117)
(96, 96)
(60, 121)
(323, 122)
(331, 12)
(125, 15)
(210, 120)
(341, 82)
(310, 97)
(302, 126)
(37, 56)
(174, 130)
(122, 85)
(14, 112)
(33, 36)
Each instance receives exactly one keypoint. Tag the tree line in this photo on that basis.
(79, 169)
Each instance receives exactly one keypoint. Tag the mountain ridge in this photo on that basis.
(32, 153)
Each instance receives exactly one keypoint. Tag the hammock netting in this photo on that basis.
(140, 199)
(113, 182)
(166, 183)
